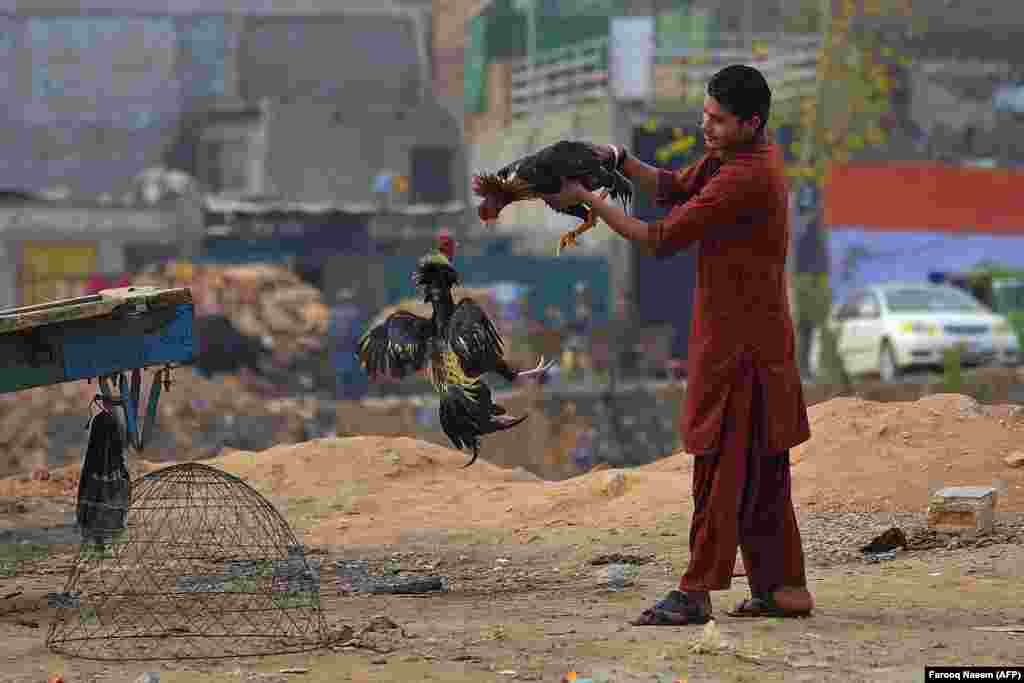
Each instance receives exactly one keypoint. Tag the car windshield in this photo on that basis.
(930, 301)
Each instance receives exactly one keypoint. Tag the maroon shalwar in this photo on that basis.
(744, 404)
(743, 497)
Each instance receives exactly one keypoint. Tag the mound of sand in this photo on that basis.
(862, 456)
(370, 489)
(870, 456)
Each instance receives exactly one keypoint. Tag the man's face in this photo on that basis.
(723, 129)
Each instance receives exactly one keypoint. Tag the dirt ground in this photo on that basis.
(528, 595)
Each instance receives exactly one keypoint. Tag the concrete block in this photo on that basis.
(963, 510)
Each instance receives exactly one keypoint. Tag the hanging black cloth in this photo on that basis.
(104, 488)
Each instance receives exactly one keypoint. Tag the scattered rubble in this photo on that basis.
(966, 509)
(621, 558)
(886, 542)
(264, 301)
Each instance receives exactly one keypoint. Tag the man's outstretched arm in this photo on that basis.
(666, 187)
(643, 175)
(725, 203)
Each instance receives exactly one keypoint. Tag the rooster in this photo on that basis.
(457, 345)
(541, 173)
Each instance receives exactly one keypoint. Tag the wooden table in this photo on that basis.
(100, 335)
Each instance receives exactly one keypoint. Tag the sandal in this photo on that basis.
(764, 606)
(677, 609)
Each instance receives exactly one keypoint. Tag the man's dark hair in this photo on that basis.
(743, 91)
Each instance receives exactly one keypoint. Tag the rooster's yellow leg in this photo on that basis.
(569, 238)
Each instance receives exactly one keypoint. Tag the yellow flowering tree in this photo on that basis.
(848, 113)
(857, 66)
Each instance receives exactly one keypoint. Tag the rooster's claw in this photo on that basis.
(542, 368)
(567, 240)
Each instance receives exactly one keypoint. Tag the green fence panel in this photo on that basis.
(475, 71)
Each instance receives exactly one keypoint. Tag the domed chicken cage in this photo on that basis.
(204, 568)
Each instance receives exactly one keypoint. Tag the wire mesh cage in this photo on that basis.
(204, 567)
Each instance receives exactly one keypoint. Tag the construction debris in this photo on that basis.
(969, 509)
(264, 301)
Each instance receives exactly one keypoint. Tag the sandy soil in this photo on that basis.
(526, 602)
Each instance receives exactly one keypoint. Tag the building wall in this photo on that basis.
(105, 231)
(87, 92)
(924, 217)
(363, 58)
(317, 153)
(94, 99)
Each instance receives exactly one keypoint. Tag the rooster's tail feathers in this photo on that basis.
(622, 190)
(467, 414)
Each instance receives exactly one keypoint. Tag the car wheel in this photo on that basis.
(888, 369)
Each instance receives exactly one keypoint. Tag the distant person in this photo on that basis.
(582, 454)
(744, 400)
(553, 318)
(576, 354)
(811, 258)
(348, 323)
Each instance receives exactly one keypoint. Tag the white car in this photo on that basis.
(887, 328)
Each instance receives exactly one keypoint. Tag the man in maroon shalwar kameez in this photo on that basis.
(744, 404)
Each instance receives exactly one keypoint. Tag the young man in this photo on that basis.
(744, 404)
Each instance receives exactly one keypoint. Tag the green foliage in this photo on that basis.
(1016, 319)
(813, 296)
(856, 68)
(830, 363)
(806, 18)
(952, 371)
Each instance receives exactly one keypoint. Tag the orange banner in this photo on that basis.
(926, 197)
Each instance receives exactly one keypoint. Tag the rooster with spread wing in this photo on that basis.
(594, 166)
(457, 344)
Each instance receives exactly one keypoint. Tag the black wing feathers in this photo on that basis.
(474, 339)
(397, 347)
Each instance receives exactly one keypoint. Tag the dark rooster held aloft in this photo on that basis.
(458, 344)
(541, 173)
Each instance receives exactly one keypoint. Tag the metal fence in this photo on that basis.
(576, 73)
